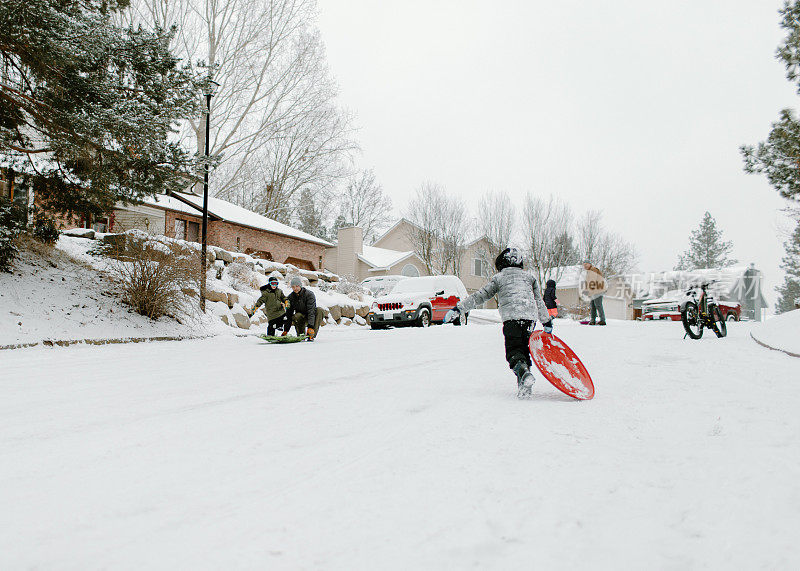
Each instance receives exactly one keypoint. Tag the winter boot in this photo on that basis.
(524, 379)
(601, 323)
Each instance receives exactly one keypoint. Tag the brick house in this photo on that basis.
(231, 227)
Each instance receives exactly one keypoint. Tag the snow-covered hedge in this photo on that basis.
(233, 280)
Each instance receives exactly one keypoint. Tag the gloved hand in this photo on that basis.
(310, 332)
(548, 327)
(284, 334)
(452, 315)
(249, 311)
(286, 304)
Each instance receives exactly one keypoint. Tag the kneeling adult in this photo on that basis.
(303, 311)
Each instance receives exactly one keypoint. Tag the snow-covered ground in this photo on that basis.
(781, 332)
(62, 293)
(401, 449)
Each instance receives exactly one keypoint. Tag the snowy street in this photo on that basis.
(401, 449)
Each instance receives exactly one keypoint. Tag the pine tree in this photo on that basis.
(790, 290)
(95, 104)
(309, 217)
(779, 156)
(707, 249)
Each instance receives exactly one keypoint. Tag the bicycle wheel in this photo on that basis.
(691, 321)
(718, 322)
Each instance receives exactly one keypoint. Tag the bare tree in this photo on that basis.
(589, 232)
(547, 227)
(364, 204)
(495, 221)
(440, 228)
(276, 128)
(607, 251)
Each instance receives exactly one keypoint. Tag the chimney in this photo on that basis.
(351, 244)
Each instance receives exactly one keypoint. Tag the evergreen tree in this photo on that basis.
(309, 217)
(94, 104)
(779, 156)
(790, 290)
(707, 249)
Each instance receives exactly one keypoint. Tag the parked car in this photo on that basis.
(418, 301)
(669, 307)
(380, 285)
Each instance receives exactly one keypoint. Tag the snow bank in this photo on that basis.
(781, 332)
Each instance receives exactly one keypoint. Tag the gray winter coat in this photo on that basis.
(518, 296)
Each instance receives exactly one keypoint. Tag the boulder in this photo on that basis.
(346, 321)
(362, 310)
(115, 240)
(79, 233)
(216, 294)
(335, 312)
(211, 257)
(348, 311)
(189, 291)
(333, 278)
(233, 298)
(360, 320)
(219, 264)
(240, 317)
(223, 255)
(221, 310)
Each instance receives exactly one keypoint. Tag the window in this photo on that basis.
(410, 270)
(100, 224)
(238, 244)
(193, 231)
(320, 262)
(180, 229)
(480, 268)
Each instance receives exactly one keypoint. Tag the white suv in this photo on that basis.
(418, 301)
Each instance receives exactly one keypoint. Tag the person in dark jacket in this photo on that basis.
(550, 299)
(303, 312)
(274, 301)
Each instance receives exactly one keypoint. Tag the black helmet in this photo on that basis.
(508, 258)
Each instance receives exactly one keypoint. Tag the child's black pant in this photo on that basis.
(517, 333)
(277, 322)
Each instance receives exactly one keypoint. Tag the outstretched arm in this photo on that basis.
(544, 316)
(483, 295)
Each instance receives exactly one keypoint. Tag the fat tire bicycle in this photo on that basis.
(701, 312)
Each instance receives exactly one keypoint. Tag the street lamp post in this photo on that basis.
(208, 91)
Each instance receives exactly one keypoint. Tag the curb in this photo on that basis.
(773, 348)
(115, 341)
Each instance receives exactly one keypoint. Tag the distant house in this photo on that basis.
(738, 284)
(626, 293)
(350, 257)
(617, 301)
(231, 227)
(393, 254)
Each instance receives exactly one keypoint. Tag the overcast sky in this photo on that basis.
(634, 107)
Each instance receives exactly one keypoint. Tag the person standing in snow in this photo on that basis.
(550, 299)
(519, 300)
(274, 301)
(303, 311)
(593, 286)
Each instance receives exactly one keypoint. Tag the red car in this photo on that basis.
(670, 304)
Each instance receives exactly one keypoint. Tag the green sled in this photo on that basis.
(281, 339)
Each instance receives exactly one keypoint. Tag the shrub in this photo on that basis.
(12, 222)
(348, 284)
(242, 278)
(44, 228)
(159, 278)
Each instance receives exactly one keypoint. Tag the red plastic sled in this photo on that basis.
(560, 365)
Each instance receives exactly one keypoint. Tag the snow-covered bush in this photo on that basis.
(241, 277)
(12, 223)
(159, 278)
(348, 284)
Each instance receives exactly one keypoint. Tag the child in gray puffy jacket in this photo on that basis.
(519, 300)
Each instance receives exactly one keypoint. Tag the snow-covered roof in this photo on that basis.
(170, 203)
(382, 257)
(229, 212)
